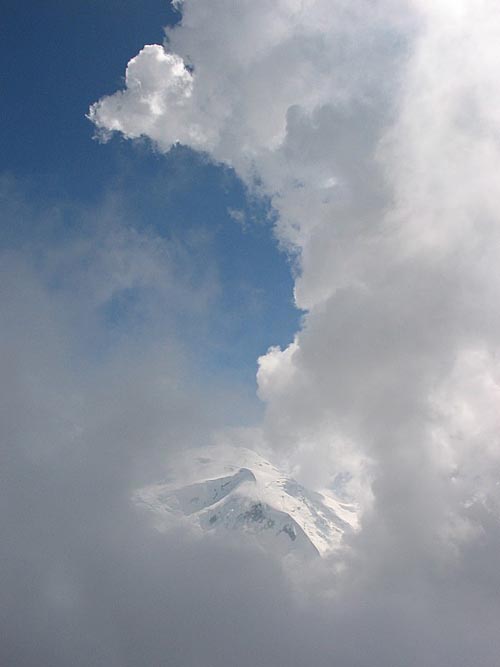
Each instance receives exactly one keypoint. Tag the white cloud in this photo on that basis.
(374, 129)
(155, 103)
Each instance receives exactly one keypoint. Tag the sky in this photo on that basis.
(274, 222)
(73, 53)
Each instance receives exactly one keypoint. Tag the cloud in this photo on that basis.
(86, 579)
(89, 412)
(372, 128)
(156, 83)
(382, 184)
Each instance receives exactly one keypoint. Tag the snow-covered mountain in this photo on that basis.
(232, 488)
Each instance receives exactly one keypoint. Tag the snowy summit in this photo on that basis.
(232, 488)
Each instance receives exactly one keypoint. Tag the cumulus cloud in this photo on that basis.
(155, 81)
(372, 128)
(380, 169)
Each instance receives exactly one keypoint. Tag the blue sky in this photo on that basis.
(58, 58)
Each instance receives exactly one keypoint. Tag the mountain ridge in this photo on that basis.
(234, 488)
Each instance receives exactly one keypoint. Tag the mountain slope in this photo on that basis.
(233, 488)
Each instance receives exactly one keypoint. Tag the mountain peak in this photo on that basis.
(222, 488)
